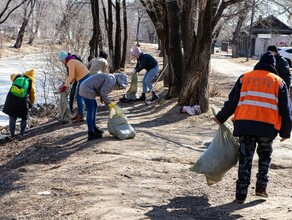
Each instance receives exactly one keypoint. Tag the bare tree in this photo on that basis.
(40, 7)
(28, 9)
(93, 43)
(198, 20)
(9, 6)
(125, 32)
(118, 40)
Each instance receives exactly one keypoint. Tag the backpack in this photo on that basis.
(20, 86)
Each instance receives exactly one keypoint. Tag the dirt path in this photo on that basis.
(56, 174)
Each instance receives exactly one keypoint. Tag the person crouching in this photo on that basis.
(102, 85)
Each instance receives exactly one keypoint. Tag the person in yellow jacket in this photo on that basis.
(76, 71)
(262, 109)
(19, 99)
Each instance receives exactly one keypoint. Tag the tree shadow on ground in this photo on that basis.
(197, 207)
(173, 115)
(42, 152)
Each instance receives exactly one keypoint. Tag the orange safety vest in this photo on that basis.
(259, 98)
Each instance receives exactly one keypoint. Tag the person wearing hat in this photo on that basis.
(282, 66)
(261, 110)
(77, 71)
(99, 85)
(150, 64)
(98, 65)
(17, 106)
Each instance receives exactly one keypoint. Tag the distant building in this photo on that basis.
(265, 32)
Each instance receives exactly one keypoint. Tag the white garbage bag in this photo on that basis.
(221, 155)
(118, 125)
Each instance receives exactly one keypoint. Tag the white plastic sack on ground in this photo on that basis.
(220, 156)
(118, 125)
(65, 113)
(132, 91)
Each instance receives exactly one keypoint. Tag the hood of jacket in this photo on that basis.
(30, 74)
(121, 80)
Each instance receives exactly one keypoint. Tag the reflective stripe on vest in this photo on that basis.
(259, 98)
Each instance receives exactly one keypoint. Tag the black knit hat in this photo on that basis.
(268, 58)
(273, 48)
(103, 54)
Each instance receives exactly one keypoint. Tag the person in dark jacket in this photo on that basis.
(99, 85)
(17, 107)
(282, 65)
(262, 110)
(147, 62)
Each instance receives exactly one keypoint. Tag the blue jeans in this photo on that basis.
(149, 75)
(79, 99)
(91, 108)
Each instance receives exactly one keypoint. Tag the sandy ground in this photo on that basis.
(54, 173)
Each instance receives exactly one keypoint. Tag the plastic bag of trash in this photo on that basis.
(118, 125)
(65, 113)
(221, 155)
(132, 91)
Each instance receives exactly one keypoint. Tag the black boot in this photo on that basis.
(92, 136)
(142, 97)
(98, 131)
(154, 96)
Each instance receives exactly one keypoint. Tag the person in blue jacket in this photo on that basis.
(262, 109)
(150, 64)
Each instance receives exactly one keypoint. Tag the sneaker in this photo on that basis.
(78, 119)
(154, 97)
(141, 98)
(240, 198)
(74, 117)
(98, 130)
(262, 193)
(239, 201)
(93, 136)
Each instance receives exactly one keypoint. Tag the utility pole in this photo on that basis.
(250, 31)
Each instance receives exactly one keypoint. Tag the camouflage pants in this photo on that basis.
(247, 149)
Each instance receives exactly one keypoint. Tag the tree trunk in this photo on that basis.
(34, 32)
(195, 89)
(125, 41)
(110, 35)
(118, 43)
(215, 37)
(20, 34)
(175, 52)
(93, 43)
(236, 33)
(25, 20)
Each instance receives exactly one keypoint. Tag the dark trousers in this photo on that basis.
(247, 148)
(12, 125)
(72, 95)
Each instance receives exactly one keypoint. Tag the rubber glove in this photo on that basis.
(111, 105)
(63, 89)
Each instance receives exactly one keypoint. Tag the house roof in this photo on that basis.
(270, 25)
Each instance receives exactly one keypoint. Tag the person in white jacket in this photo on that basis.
(98, 65)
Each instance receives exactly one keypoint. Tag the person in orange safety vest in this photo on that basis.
(262, 109)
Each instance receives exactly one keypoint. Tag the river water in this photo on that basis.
(20, 64)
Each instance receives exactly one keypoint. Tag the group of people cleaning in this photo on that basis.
(259, 102)
(88, 82)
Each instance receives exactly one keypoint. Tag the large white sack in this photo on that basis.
(221, 155)
(118, 125)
